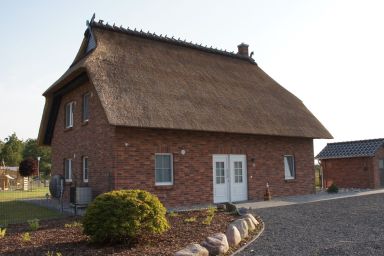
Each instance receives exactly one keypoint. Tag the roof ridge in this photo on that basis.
(172, 40)
(354, 141)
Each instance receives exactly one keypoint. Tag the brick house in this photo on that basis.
(353, 164)
(191, 124)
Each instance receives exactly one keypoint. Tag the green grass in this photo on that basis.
(13, 210)
(19, 212)
(20, 194)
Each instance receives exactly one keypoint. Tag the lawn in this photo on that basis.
(13, 210)
(20, 194)
(19, 212)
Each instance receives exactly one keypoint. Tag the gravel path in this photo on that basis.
(349, 226)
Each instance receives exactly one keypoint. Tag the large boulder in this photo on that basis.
(233, 235)
(242, 226)
(216, 244)
(193, 250)
(251, 225)
(248, 215)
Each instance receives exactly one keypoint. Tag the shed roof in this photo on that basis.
(150, 81)
(349, 149)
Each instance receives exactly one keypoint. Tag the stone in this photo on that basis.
(233, 235)
(193, 250)
(216, 244)
(254, 220)
(242, 226)
(251, 225)
(231, 207)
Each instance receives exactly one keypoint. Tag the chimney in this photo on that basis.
(243, 49)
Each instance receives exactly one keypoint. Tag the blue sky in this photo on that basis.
(329, 53)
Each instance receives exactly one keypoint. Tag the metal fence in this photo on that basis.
(27, 199)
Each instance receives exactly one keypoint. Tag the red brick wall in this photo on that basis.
(349, 172)
(135, 163)
(112, 164)
(92, 139)
(375, 165)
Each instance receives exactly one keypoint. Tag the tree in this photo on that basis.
(1, 148)
(33, 150)
(28, 167)
(12, 151)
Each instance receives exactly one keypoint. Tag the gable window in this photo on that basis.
(68, 170)
(289, 167)
(85, 112)
(69, 114)
(85, 169)
(163, 169)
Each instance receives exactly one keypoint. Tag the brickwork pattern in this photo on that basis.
(124, 158)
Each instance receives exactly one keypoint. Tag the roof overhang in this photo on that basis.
(52, 104)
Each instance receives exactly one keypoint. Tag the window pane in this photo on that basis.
(85, 168)
(167, 175)
(381, 164)
(67, 115)
(166, 161)
(85, 107)
(159, 175)
(289, 167)
(159, 161)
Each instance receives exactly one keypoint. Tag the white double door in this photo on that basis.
(229, 178)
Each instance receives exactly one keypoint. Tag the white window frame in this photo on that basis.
(69, 161)
(85, 160)
(87, 95)
(287, 174)
(69, 123)
(164, 183)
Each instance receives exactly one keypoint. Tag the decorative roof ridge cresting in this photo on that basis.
(172, 40)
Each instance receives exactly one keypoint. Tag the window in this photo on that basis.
(68, 170)
(289, 167)
(238, 172)
(381, 164)
(220, 173)
(69, 115)
(85, 169)
(85, 113)
(163, 169)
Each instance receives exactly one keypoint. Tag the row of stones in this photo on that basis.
(219, 243)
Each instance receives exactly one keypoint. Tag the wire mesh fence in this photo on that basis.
(27, 199)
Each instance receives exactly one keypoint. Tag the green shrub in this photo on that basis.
(333, 188)
(33, 224)
(173, 214)
(26, 237)
(191, 219)
(2, 232)
(74, 224)
(210, 214)
(122, 215)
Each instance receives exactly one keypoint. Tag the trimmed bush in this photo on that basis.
(333, 188)
(122, 215)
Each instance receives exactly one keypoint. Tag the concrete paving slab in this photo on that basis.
(319, 196)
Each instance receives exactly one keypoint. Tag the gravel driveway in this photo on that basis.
(349, 226)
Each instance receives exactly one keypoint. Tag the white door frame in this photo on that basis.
(229, 191)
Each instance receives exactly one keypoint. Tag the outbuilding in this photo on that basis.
(353, 164)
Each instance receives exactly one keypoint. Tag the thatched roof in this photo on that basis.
(145, 80)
